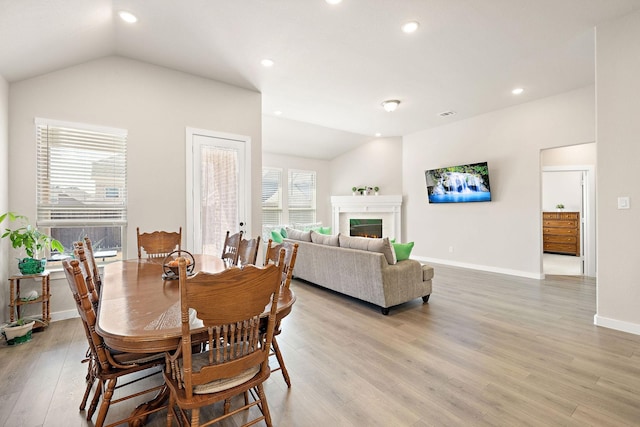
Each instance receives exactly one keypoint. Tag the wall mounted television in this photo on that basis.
(456, 184)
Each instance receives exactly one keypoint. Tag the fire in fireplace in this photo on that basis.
(365, 227)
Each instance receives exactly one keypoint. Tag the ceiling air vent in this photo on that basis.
(447, 113)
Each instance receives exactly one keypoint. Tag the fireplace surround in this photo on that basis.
(387, 208)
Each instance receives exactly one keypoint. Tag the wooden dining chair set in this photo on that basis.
(105, 366)
(239, 251)
(232, 359)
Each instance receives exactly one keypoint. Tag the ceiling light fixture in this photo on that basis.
(333, 1)
(267, 63)
(277, 113)
(410, 27)
(517, 91)
(391, 105)
(128, 17)
(378, 134)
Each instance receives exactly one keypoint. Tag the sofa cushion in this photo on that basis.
(403, 250)
(276, 236)
(382, 246)
(294, 234)
(322, 239)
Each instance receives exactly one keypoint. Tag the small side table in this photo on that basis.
(44, 297)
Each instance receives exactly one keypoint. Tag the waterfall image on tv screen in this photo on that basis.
(464, 183)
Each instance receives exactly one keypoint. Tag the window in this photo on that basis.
(82, 185)
(302, 196)
(271, 196)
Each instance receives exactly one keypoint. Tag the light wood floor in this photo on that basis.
(487, 350)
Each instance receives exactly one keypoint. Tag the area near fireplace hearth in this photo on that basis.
(387, 208)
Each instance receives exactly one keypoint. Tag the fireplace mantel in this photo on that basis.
(388, 208)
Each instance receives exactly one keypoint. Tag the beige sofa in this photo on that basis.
(366, 274)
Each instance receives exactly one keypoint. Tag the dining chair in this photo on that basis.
(90, 378)
(158, 244)
(273, 256)
(235, 361)
(97, 279)
(230, 248)
(108, 365)
(248, 251)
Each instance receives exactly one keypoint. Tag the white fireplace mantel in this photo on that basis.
(388, 208)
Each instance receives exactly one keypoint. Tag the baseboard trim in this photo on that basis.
(619, 325)
(519, 273)
(64, 315)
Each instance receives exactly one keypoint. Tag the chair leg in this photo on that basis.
(95, 400)
(283, 368)
(106, 402)
(263, 405)
(90, 380)
(170, 409)
(195, 417)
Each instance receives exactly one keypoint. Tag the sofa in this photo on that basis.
(363, 268)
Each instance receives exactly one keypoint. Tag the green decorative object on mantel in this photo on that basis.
(364, 190)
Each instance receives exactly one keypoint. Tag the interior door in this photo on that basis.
(218, 188)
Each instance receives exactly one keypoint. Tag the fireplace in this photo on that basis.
(387, 209)
(365, 227)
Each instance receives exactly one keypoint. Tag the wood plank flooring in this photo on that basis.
(487, 350)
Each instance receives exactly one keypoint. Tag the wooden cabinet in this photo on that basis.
(561, 232)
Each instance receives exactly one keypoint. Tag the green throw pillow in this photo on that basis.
(283, 233)
(325, 230)
(403, 250)
(276, 237)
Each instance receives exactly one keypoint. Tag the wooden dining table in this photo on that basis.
(139, 310)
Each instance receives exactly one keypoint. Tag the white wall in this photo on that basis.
(502, 235)
(155, 104)
(618, 105)
(376, 163)
(563, 187)
(323, 201)
(4, 192)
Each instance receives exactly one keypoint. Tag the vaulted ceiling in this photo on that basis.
(333, 64)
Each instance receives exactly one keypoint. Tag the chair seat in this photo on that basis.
(226, 383)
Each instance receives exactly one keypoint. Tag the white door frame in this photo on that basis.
(588, 220)
(191, 181)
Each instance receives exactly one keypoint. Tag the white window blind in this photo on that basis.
(81, 174)
(271, 196)
(302, 196)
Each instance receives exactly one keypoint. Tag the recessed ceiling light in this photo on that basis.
(333, 1)
(410, 27)
(277, 113)
(391, 105)
(128, 16)
(267, 63)
(378, 134)
(517, 91)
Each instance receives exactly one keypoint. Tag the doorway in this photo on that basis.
(568, 178)
(218, 177)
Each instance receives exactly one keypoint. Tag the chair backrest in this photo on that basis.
(159, 244)
(97, 279)
(87, 313)
(248, 251)
(230, 249)
(87, 272)
(272, 256)
(230, 304)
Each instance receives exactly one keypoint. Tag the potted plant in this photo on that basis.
(18, 332)
(31, 240)
(560, 207)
